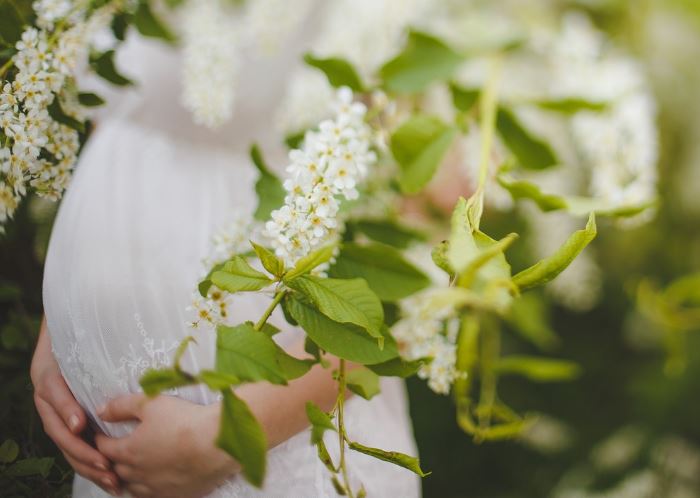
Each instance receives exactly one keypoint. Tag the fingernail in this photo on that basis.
(101, 466)
(108, 482)
(73, 421)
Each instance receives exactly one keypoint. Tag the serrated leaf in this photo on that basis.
(238, 276)
(419, 145)
(242, 437)
(103, 65)
(272, 263)
(342, 340)
(310, 261)
(538, 369)
(397, 367)
(400, 459)
(149, 24)
(269, 188)
(153, 381)
(547, 269)
(388, 232)
(9, 451)
(320, 422)
(531, 152)
(344, 301)
(423, 60)
(384, 269)
(338, 71)
(363, 382)
(252, 356)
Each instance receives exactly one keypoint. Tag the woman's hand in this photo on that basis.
(63, 418)
(171, 453)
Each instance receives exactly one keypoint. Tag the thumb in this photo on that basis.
(123, 408)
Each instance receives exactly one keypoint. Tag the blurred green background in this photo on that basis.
(628, 427)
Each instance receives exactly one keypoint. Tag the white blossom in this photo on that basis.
(331, 163)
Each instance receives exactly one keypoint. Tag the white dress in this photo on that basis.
(125, 255)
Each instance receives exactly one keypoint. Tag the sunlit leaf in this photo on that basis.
(338, 71)
(531, 152)
(363, 382)
(400, 459)
(237, 276)
(320, 422)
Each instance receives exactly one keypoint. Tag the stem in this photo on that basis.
(488, 110)
(341, 426)
(5, 67)
(278, 297)
(490, 350)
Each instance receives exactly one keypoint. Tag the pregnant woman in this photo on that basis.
(125, 254)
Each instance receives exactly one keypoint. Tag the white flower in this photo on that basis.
(210, 63)
(329, 166)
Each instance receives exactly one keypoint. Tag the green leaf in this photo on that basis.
(59, 115)
(388, 232)
(464, 99)
(153, 381)
(103, 65)
(576, 205)
(423, 60)
(119, 25)
(538, 369)
(252, 356)
(342, 340)
(320, 422)
(30, 467)
(218, 381)
(9, 451)
(89, 99)
(272, 263)
(400, 459)
(295, 140)
(149, 25)
(520, 189)
(571, 105)
(310, 261)
(242, 437)
(344, 301)
(338, 71)
(206, 284)
(397, 367)
(237, 275)
(363, 382)
(269, 188)
(461, 248)
(440, 256)
(388, 275)
(268, 329)
(419, 145)
(549, 268)
(531, 152)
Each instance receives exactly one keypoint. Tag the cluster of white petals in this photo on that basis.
(36, 150)
(333, 160)
(210, 60)
(619, 145)
(427, 331)
(231, 240)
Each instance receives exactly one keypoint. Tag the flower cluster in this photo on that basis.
(35, 149)
(231, 240)
(210, 56)
(331, 163)
(429, 331)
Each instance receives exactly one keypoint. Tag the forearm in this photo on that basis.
(281, 410)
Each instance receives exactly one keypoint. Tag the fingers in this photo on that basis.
(123, 408)
(69, 443)
(139, 490)
(106, 480)
(116, 449)
(53, 389)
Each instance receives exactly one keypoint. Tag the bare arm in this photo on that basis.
(172, 452)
